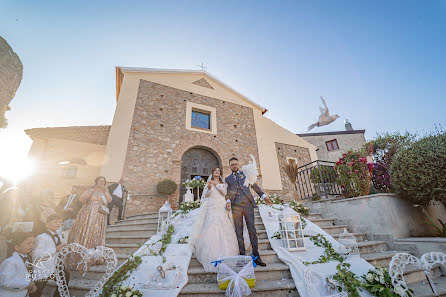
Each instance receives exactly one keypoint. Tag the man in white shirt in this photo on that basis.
(118, 193)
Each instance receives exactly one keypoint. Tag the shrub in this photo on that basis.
(328, 174)
(166, 187)
(418, 173)
(353, 174)
(381, 177)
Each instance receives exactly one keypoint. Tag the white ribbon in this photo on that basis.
(241, 287)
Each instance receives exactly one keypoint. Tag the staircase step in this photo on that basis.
(78, 287)
(264, 244)
(124, 248)
(323, 222)
(259, 225)
(314, 216)
(336, 229)
(367, 247)
(267, 256)
(359, 236)
(266, 288)
(261, 234)
(273, 271)
(131, 226)
(118, 231)
(422, 288)
(146, 215)
(415, 275)
(136, 221)
(138, 239)
(379, 259)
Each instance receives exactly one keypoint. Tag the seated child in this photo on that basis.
(45, 250)
(16, 272)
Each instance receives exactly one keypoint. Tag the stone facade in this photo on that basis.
(285, 151)
(159, 138)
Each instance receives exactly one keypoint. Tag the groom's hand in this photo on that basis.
(228, 205)
(268, 201)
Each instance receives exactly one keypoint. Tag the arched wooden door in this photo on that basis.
(197, 161)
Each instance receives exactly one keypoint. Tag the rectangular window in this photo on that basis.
(332, 145)
(201, 120)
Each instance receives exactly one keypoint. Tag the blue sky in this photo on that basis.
(381, 64)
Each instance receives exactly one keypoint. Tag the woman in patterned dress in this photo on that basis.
(91, 222)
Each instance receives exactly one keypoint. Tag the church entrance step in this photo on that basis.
(264, 244)
(129, 226)
(323, 222)
(138, 239)
(359, 236)
(146, 215)
(124, 248)
(124, 226)
(267, 288)
(259, 225)
(422, 288)
(136, 221)
(273, 271)
(118, 231)
(336, 229)
(267, 256)
(367, 247)
(379, 259)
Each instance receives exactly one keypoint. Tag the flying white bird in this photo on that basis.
(325, 118)
(251, 172)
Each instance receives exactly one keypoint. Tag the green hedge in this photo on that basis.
(418, 173)
(166, 187)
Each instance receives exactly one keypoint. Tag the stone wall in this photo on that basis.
(159, 138)
(285, 151)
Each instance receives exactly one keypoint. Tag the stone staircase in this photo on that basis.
(272, 280)
(126, 236)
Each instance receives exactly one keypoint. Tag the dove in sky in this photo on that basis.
(324, 118)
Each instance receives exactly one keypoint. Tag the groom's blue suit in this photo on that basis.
(243, 205)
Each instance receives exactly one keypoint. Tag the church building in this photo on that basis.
(173, 124)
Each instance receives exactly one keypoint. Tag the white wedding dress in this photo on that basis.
(213, 235)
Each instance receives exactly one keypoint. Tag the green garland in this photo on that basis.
(185, 207)
(165, 240)
(112, 286)
(329, 253)
(376, 281)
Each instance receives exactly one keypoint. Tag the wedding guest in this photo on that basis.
(16, 272)
(69, 205)
(91, 221)
(118, 193)
(44, 208)
(48, 243)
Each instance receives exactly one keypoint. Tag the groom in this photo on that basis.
(242, 201)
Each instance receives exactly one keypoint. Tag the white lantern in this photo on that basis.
(349, 245)
(188, 196)
(291, 229)
(164, 215)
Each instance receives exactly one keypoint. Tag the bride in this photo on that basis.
(213, 235)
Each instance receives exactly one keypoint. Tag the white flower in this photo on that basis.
(377, 278)
(128, 294)
(122, 287)
(381, 280)
(113, 295)
(369, 277)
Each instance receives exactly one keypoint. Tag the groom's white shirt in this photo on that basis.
(234, 173)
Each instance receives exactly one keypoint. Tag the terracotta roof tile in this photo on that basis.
(88, 134)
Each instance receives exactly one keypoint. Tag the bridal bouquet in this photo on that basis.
(125, 291)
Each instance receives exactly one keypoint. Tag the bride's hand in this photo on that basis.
(209, 185)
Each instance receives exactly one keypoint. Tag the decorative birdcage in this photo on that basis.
(291, 229)
(349, 245)
(164, 216)
(236, 274)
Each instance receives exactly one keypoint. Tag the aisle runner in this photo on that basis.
(178, 254)
(295, 259)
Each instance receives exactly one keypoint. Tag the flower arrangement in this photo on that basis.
(354, 174)
(275, 199)
(113, 285)
(196, 182)
(379, 283)
(299, 207)
(125, 291)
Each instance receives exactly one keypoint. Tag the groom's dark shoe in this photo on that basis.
(259, 262)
